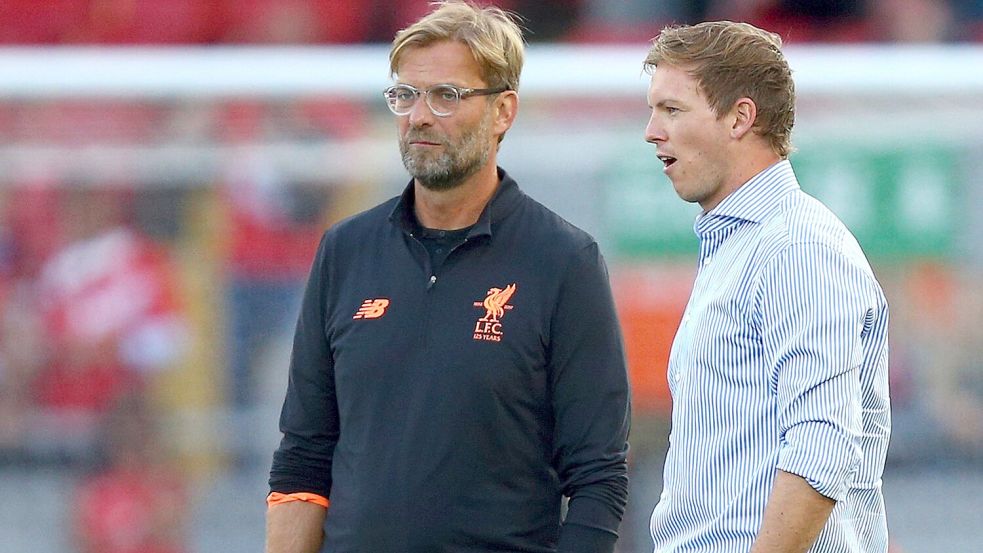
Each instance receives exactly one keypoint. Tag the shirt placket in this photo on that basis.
(680, 362)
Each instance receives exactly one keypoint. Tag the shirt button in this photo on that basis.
(706, 260)
(440, 250)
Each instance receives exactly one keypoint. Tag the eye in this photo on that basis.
(445, 93)
(403, 94)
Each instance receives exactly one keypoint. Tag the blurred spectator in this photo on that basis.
(145, 22)
(111, 317)
(546, 20)
(912, 21)
(631, 21)
(273, 228)
(40, 21)
(388, 17)
(34, 224)
(937, 384)
(28, 233)
(295, 21)
(801, 20)
(135, 501)
(969, 18)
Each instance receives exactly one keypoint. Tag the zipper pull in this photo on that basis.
(433, 280)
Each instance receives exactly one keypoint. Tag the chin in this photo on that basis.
(438, 184)
(681, 192)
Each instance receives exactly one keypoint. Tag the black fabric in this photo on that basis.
(583, 539)
(440, 243)
(437, 422)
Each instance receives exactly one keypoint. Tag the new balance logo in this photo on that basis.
(372, 309)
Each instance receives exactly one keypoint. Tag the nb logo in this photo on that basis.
(372, 309)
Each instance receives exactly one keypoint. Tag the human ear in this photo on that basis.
(506, 108)
(743, 114)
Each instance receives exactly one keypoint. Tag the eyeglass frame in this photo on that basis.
(463, 93)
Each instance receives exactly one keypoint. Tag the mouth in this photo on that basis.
(420, 141)
(666, 160)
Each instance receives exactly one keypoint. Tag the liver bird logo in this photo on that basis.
(496, 303)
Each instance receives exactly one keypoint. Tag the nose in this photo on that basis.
(654, 131)
(421, 115)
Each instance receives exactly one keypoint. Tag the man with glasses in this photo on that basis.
(457, 367)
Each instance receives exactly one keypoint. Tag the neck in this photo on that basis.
(456, 207)
(752, 165)
(745, 167)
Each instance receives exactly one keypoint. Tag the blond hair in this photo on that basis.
(731, 61)
(492, 35)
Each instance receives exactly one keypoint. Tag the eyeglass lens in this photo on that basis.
(442, 99)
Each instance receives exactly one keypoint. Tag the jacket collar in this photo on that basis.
(505, 199)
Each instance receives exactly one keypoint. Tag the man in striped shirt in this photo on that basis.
(778, 371)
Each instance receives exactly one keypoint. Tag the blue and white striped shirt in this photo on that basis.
(780, 362)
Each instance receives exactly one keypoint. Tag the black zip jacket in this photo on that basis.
(448, 409)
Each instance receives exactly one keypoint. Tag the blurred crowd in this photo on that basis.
(365, 21)
(97, 313)
(96, 265)
(89, 313)
(126, 307)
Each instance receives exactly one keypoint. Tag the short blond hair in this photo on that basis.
(492, 35)
(731, 61)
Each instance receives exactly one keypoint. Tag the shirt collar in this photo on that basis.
(506, 198)
(753, 201)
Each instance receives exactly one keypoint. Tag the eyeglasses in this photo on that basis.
(442, 99)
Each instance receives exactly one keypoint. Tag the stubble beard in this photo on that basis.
(454, 164)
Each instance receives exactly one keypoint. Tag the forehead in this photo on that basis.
(672, 82)
(440, 62)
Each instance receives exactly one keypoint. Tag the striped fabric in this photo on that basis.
(780, 361)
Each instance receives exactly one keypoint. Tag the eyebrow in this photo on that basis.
(442, 83)
(663, 102)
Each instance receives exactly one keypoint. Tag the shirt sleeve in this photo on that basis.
(590, 398)
(575, 538)
(309, 418)
(815, 306)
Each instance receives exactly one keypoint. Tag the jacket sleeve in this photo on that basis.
(590, 399)
(309, 418)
